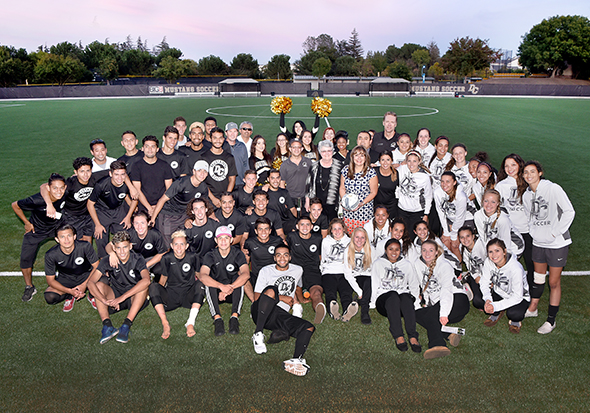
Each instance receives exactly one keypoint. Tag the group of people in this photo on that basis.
(416, 231)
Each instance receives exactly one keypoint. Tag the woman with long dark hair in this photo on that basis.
(260, 161)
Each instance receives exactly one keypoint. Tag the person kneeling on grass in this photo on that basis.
(503, 286)
(275, 292)
(67, 268)
(224, 272)
(178, 285)
(120, 288)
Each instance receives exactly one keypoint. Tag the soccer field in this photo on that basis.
(52, 361)
(41, 137)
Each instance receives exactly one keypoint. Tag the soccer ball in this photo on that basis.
(350, 201)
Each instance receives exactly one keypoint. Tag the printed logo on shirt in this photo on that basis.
(132, 273)
(83, 194)
(148, 246)
(448, 208)
(231, 227)
(336, 252)
(122, 195)
(409, 187)
(218, 170)
(393, 279)
(173, 164)
(61, 206)
(313, 248)
(271, 249)
(282, 200)
(79, 260)
(230, 267)
(285, 285)
(513, 200)
(209, 234)
(500, 281)
(197, 195)
(433, 288)
(490, 232)
(540, 211)
(316, 228)
(186, 267)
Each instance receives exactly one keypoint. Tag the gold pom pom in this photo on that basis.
(321, 107)
(281, 104)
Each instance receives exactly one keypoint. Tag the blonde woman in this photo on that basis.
(358, 258)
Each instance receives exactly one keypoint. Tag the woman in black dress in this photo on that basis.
(388, 183)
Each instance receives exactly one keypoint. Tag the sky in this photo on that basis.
(264, 28)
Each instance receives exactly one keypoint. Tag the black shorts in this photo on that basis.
(70, 282)
(311, 278)
(553, 257)
(31, 243)
(125, 305)
(172, 298)
(280, 319)
(82, 223)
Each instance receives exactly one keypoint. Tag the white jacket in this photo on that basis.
(475, 258)
(503, 229)
(512, 204)
(357, 271)
(451, 214)
(509, 282)
(375, 234)
(333, 255)
(399, 276)
(550, 214)
(441, 286)
(414, 192)
(437, 167)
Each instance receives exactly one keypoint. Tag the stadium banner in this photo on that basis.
(515, 89)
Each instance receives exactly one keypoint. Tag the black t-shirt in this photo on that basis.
(202, 239)
(305, 252)
(180, 272)
(42, 223)
(243, 199)
(192, 155)
(320, 224)
(152, 178)
(380, 143)
(386, 193)
(224, 270)
(281, 201)
(77, 194)
(107, 196)
(261, 254)
(181, 192)
(151, 245)
(221, 167)
(271, 214)
(178, 163)
(126, 275)
(235, 222)
(74, 267)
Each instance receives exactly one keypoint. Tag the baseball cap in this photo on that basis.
(201, 164)
(231, 125)
(222, 230)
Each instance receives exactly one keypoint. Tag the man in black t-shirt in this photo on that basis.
(177, 160)
(198, 143)
(79, 188)
(67, 268)
(306, 250)
(222, 167)
(230, 217)
(386, 140)
(280, 200)
(119, 288)
(224, 272)
(38, 227)
(173, 204)
(259, 251)
(132, 154)
(106, 208)
(319, 222)
(151, 176)
(243, 194)
(179, 285)
(261, 210)
(201, 234)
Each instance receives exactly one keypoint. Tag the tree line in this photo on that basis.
(550, 47)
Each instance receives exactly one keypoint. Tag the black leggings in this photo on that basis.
(394, 306)
(334, 284)
(514, 313)
(429, 318)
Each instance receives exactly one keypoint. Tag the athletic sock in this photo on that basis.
(302, 343)
(192, 317)
(515, 323)
(552, 313)
(494, 317)
(128, 322)
(107, 322)
(265, 306)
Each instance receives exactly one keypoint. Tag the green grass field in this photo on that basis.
(52, 361)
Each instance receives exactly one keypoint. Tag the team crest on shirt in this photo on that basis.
(122, 195)
(281, 199)
(186, 267)
(61, 206)
(148, 246)
(173, 164)
(433, 287)
(208, 234)
(79, 260)
(132, 273)
(316, 228)
(476, 264)
(358, 262)
(408, 186)
(448, 208)
(285, 285)
(540, 210)
(490, 232)
(393, 279)
(218, 170)
(230, 267)
(313, 248)
(83, 194)
(336, 252)
(198, 195)
(500, 281)
(271, 249)
(231, 227)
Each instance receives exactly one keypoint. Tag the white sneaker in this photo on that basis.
(297, 310)
(468, 291)
(296, 367)
(258, 340)
(531, 313)
(320, 313)
(546, 328)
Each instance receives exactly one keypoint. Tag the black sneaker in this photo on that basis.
(30, 291)
(219, 327)
(277, 336)
(365, 317)
(234, 325)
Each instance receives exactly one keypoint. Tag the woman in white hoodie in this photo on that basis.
(550, 214)
(451, 205)
(504, 286)
(395, 288)
(358, 259)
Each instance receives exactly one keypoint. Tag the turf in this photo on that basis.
(52, 361)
